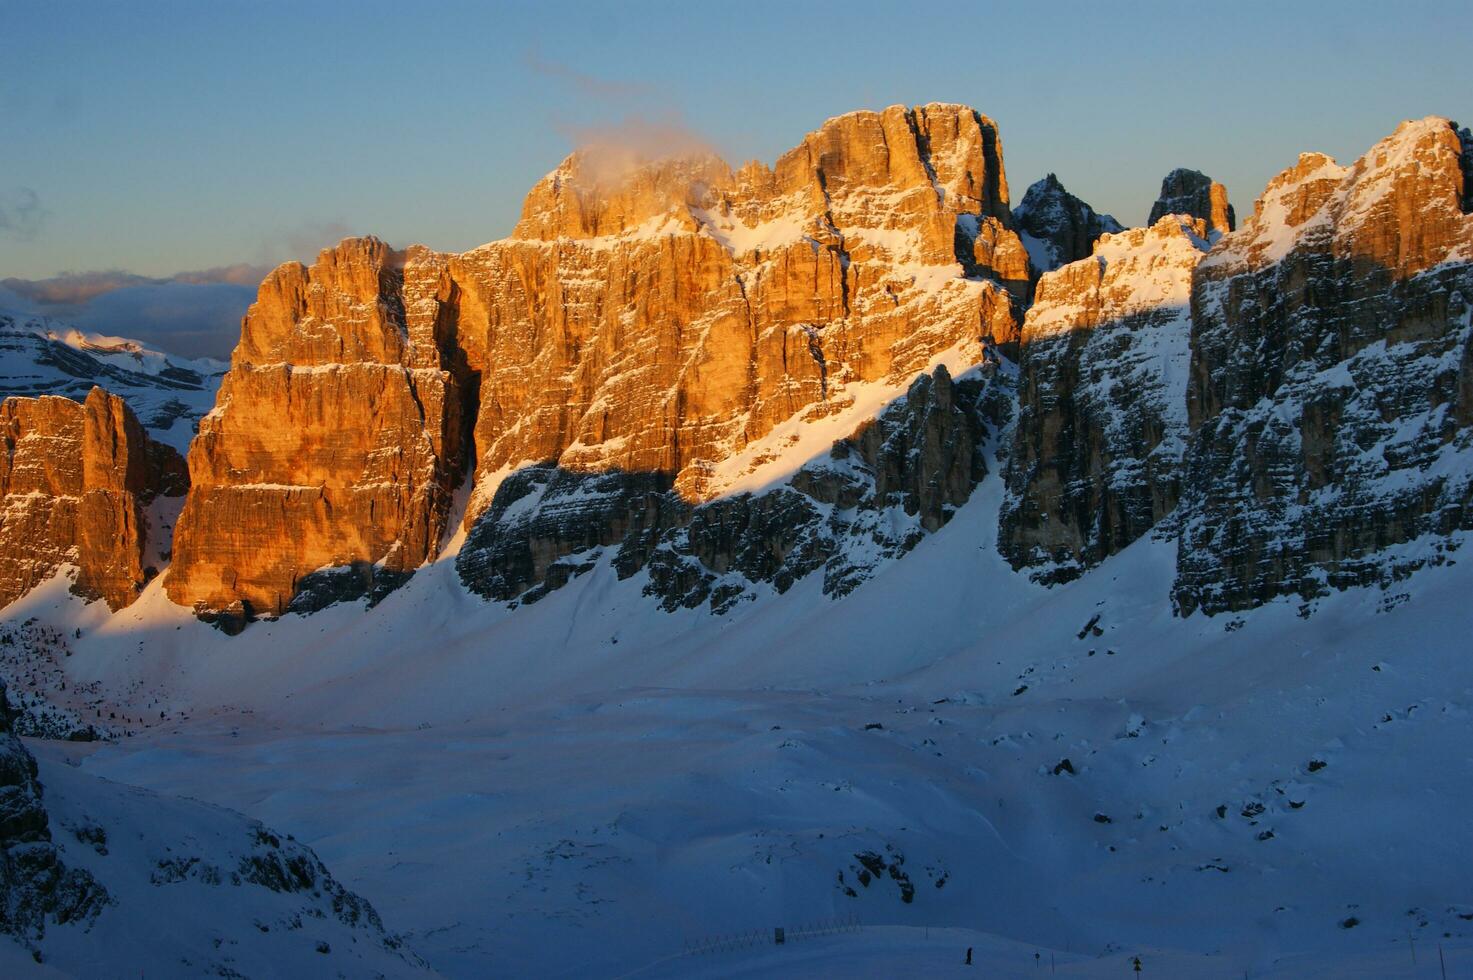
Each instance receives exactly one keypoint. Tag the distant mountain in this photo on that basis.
(169, 394)
(1057, 227)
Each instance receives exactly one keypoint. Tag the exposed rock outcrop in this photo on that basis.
(1058, 228)
(646, 322)
(1331, 391)
(1096, 453)
(659, 327)
(872, 498)
(1194, 193)
(633, 372)
(337, 439)
(36, 887)
(75, 479)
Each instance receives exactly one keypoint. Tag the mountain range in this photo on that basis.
(1072, 531)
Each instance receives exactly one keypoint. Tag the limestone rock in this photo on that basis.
(541, 515)
(1192, 192)
(873, 497)
(1058, 228)
(338, 436)
(647, 319)
(75, 479)
(1096, 452)
(650, 340)
(1331, 389)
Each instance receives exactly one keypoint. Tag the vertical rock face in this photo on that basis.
(35, 886)
(1331, 390)
(1058, 228)
(1096, 453)
(639, 339)
(726, 380)
(326, 467)
(870, 499)
(645, 324)
(661, 323)
(1467, 167)
(1194, 193)
(74, 480)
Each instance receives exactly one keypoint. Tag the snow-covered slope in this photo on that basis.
(99, 879)
(197, 890)
(584, 785)
(169, 394)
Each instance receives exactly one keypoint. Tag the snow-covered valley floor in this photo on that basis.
(588, 786)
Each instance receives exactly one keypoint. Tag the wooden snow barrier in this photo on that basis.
(779, 936)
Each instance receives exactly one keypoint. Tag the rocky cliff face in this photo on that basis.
(1096, 453)
(645, 324)
(872, 497)
(661, 325)
(708, 377)
(1193, 193)
(1058, 228)
(326, 467)
(36, 887)
(1332, 378)
(75, 479)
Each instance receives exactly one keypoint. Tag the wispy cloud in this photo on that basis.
(584, 83)
(194, 313)
(191, 319)
(75, 288)
(611, 151)
(302, 242)
(239, 274)
(72, 287)
(21, 214)
(646, 125)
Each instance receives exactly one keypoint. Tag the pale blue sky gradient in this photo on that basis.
(159, 137)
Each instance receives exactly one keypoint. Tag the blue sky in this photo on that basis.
(159, 137)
